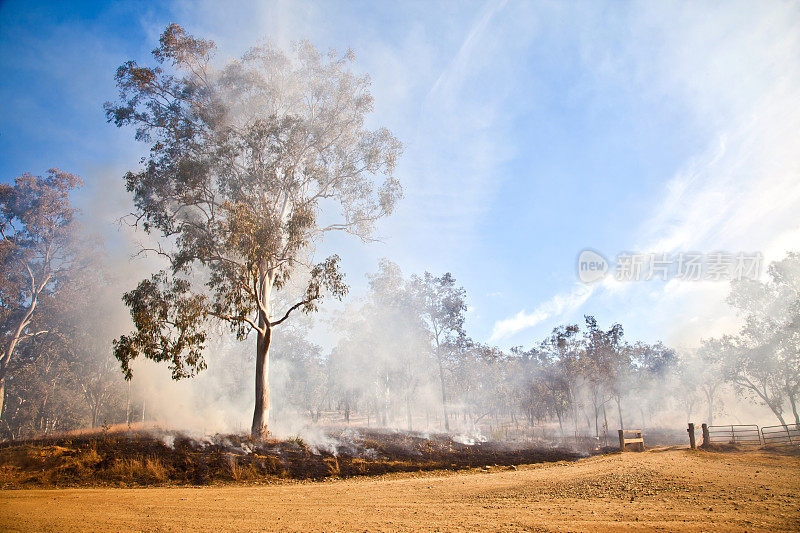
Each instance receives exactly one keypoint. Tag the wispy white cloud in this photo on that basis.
(557, 306)
(454, 74)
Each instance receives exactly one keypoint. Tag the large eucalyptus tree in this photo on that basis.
(250, 163)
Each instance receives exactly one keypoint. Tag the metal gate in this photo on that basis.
(734, 434)
(788, 435)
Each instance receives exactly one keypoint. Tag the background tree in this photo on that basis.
(652, 366)
(67, 378)
(383, 354)
(599, 365)
(569, 364)
(686, 385)
(552, 355)
(768, 364)
(484, 377)
(306, 383)
(752, 368)
(708, 368)
(442, 306)
(247, 165)
(41, 392)
(38, 253)
(763, 361)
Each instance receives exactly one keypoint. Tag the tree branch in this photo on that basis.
(292, 308)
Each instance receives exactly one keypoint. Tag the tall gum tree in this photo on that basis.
(249, 165)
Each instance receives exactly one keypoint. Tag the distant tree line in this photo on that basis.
(406, 361)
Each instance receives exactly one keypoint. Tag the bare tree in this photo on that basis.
(38, 254)
(247, 165)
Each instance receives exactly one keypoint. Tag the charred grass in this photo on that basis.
(137, 458)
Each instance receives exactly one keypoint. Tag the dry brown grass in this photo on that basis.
(146, 459)
(146, 470)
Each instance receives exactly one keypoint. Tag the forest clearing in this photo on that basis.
(666, 489)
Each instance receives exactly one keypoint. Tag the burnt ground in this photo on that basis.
(133, 458)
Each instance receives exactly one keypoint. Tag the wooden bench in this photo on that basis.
(631, 436)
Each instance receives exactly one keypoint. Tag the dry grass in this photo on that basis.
(138, 458)
(137, 469)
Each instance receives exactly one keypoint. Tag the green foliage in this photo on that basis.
(169, 323)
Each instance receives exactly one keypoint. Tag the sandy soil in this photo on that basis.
(673, 489)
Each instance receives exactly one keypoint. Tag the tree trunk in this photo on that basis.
(8, 353)
(408, 411)
(793, 402)
(2, 395)
(790, 392)
(375, 408)
(128, 406)
(261, 411)
(444, 390)
(774, 406)
(619, 410)
(710, 400)
(575, 421)
(388, 411)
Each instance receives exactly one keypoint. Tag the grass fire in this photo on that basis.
(422, 266)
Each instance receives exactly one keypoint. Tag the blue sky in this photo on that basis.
(532, 130)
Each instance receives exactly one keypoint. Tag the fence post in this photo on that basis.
(621, 440)
(692, 443)
(706, 437)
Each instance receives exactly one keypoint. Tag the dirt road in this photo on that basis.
(656, 490)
